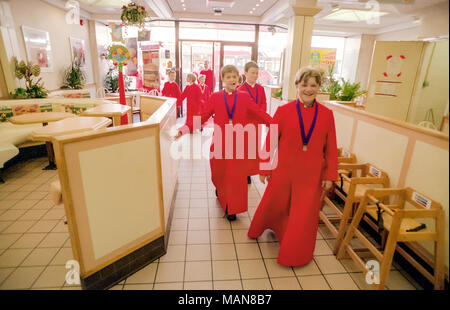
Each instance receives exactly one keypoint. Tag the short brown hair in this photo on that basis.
(249, 65)
(192, 77)
(229, 69)
(308, 72)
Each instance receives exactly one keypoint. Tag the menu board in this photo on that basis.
(150, 64)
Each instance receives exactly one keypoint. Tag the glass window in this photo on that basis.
(217, 32)
(272, 43)
(331, 43)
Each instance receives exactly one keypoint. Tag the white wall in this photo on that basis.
(41, 15)
(350, 61)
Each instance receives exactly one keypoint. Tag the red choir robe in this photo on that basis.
(194, 103)
(257, 93)
(291, 202)
(206, 92)
(209, 78)
(228, 172)
(171, 89)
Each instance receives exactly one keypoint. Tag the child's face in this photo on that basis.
(201, 80)
(308, 89)
(172, 76)
(252, 75)
(230, 80)
(189, 80)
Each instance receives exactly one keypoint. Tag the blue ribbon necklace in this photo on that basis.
(305, 140)
(230, 114)
(250, 93)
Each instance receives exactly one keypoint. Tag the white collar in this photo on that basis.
(252, 86)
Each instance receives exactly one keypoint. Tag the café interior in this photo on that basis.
(95, 193)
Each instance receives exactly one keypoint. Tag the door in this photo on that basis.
(235, 54)
(193, 56)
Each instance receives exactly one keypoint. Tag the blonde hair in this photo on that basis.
(191, 77)
(229, 69)
(305, 73)
(249, 65)
(201, 76)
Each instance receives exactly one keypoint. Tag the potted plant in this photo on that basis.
(112, 81)
(134, 15)
(349, 92)
(34, 89)
(74, 77)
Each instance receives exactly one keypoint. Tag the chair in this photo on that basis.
(355, 180)
(401, 225)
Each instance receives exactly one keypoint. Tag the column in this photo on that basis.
(300, 29)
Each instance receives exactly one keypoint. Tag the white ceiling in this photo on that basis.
(400, 14)
(240, 7)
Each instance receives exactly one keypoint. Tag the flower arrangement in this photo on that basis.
(74, 77)
(34, 89)
(134, 15)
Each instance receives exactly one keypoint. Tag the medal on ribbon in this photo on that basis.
(230, 114)
(305, 139)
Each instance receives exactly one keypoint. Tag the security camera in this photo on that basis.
(218, 11)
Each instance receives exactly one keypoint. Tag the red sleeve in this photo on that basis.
(263, 99)
(257, 112)
(331, 156)
(206, 114)
(269, 157)
(165, 91)
(185, 93)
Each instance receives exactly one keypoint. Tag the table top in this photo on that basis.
(107, 110)
(39, 117)
(69, 126)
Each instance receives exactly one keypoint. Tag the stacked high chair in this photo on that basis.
(353, 181)
(399, 221)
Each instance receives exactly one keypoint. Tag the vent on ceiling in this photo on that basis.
(220, 3)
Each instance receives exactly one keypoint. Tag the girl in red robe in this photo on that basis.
(206, 92)
(229, 170)
(301, 175)
(258, 95)
(194, 100)
(171, 89)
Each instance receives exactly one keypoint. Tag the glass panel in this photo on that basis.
(237, 56)
(272, 43)
(193, 57)
(337, 43)
(216, 65)
(217, 32)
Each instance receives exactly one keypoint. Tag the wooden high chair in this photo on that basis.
(345, 156)
(351, 189)
(402, 226)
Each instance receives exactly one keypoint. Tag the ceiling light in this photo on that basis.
(257, 4)
(251, 12)
(346, 15)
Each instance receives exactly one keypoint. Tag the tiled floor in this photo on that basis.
(205, 251)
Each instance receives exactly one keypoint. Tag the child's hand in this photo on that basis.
(178, 136)
(263, 178)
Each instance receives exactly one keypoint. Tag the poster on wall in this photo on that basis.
(38, 48)
(143, 35)
(150, 64)
(131, 45)
(116, 32)
(323, 58)
(78, 51)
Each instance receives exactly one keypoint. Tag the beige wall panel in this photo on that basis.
(344, 129)
(381, 147)
(111, 204)
(429, 174)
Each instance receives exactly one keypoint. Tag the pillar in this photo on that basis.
(298, 48)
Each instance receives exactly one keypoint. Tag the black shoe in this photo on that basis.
(249, 180)
(231, 217)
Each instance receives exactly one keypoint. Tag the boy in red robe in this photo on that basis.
(306, 166)
(206, 92)
(229, 169)
(209, 76)
(258, 95)
(171, 89)
(194, 100)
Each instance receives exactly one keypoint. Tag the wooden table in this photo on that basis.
(42, 117)
(112, 110)
(66, 126)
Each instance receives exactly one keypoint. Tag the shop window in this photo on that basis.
(271, 47)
